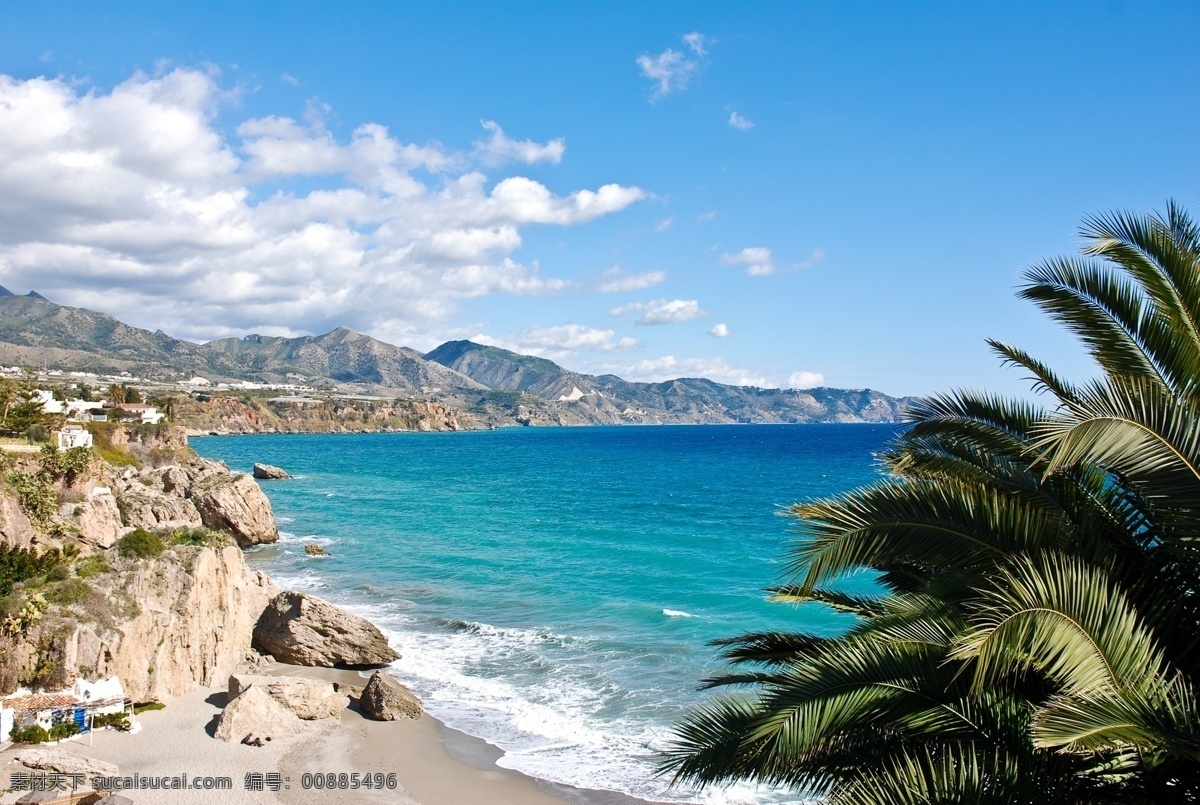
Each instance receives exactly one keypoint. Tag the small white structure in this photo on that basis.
(78, 703)
(198, 381)
(73, 436)
(140, 411)
(47, 401)
(81, 410)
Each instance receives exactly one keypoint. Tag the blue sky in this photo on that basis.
(851, 190)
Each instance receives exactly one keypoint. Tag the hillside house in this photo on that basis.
(73, 436)
(77, 703)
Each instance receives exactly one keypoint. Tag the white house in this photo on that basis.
(73, 436)
(81, 410)
(78, 703)
(47, 401)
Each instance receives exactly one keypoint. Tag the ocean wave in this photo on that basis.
(677, 613)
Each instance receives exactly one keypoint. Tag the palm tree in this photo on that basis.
(1036, 636)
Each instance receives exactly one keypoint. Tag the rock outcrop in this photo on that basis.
(306, 630)
(255, 716)
(165, 626)
(16, 531)
(97, 518)
(61, 761)
(385, 699)
(308, 699)
(267, 472)
(235, 504)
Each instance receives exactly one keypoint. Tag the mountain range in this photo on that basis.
(494, 384)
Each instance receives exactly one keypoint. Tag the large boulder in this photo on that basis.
(62, 761)
(145, 507)
(237, 505)
(15, 529)
(305, 630)
(256, 714)
(385, 699)
(267, 472)
(309, 699)
(98, 518)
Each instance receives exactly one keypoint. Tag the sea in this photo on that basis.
(555, 591)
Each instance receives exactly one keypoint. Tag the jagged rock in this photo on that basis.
(306, 630)
(165, 627)
(98, 519)
(256, 715)
(15, 529)
(267, 472)
(313, 549)
(309, 699)
(64, 762)
(237, 505)
(145, 507)
(385, 699)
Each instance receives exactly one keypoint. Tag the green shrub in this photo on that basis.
(142, 707)
(58, 573)
(68, 592)
(140, 544)
(200, 537)
(19, 564)
(36, 495)
(33, 734)
(64, 729)
(92, 565)
(65, 464)
(118, 721)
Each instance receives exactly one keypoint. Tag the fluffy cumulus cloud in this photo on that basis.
(756, 259)
(133, 202)
(672, 70)
(662, 311)
(805, 380)
(561, 341)
(669, 367)
(720, 330)
(617, 280)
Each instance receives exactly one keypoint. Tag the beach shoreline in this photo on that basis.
(433, 764)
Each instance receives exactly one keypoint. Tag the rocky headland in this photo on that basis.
(131, 564)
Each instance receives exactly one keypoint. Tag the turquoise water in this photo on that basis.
(553, 591)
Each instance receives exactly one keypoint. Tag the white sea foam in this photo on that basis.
(677, 613)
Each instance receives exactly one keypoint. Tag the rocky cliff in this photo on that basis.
(137, 574)
(165, 626)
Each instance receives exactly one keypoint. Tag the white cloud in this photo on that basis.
(561, 341)
(616, 280)
(663, 311)
(668, 367)
(817, 256)
(671, 70)
(132, 202)
(756, 259)
(498, 149)
(665, 224)
(739, 122)
(720, 330)
(288, 78)
(706, 216)
(805, 380)
(697, 42)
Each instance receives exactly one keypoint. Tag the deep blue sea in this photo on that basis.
(553, 591)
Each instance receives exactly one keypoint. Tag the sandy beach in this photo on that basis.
(177, 740)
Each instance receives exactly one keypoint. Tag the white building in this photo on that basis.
(78, 703)
(47, 401)
(81, 410)
(73, 436)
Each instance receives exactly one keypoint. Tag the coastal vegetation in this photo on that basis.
(1035, 634)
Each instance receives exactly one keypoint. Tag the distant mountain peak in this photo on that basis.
(5, 292)
(36, 295)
